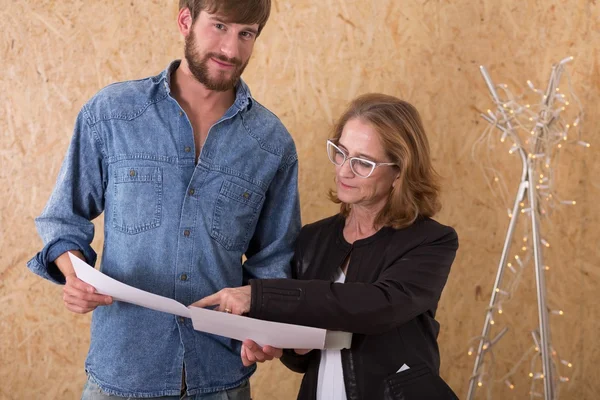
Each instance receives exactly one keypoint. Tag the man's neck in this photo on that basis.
(194, 97)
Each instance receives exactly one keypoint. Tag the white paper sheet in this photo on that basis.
(237, 327)
(104, 284)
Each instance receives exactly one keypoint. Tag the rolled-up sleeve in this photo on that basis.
(78, 197)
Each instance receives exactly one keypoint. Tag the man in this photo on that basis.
(191, 174)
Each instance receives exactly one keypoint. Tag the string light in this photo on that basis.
(582, 143)
(565, 362)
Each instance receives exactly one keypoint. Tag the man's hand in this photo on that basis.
(252, 353)
(230, 300)
(78, 296)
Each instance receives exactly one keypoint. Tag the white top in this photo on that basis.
(331, 376)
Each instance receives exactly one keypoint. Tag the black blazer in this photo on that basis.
(388, 301)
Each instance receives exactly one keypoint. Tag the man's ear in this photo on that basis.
(184, 21)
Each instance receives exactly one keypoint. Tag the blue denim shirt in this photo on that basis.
(171, 227)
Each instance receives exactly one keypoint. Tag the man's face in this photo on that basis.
(217, 52)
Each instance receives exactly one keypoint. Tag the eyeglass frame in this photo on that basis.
(346, 158)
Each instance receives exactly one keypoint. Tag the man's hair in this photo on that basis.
(232, 11)
(401, 132)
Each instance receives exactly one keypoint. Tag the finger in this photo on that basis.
(92, 297)
(75, 282)
(302, 351)
(272, 352)
(211, 300)
(236, 310)
(250, 344)
(245, 360)
(250, 356)
(81, 303)
(258, 354)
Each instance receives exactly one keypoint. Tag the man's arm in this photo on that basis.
(65, 224)
(272, 245)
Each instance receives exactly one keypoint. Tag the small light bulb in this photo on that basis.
(582, 143)
(531, 374)
(565, 362)
(536, 349)
(547, 268)
(492, 322)
(470, 352)
(524, 248)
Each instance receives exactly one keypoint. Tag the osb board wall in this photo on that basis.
(312, 58)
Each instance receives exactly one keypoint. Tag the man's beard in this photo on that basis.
(199, 67)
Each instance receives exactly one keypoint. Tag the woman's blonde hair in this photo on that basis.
(401, 132)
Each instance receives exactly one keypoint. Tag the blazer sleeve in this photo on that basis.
(409, 287)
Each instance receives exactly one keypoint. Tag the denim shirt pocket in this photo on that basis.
(235, 215)
(138, 199)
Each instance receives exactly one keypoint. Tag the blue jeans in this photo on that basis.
(91, 391)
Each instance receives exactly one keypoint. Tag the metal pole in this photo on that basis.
(509, 234)
(541, 292)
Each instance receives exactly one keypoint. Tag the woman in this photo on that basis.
(376, 269)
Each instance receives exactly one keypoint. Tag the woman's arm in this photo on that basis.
(406, 289)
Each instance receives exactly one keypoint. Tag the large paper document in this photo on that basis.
(286, 336)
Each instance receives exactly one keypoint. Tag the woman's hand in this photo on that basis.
(252, 353)
(230, 300)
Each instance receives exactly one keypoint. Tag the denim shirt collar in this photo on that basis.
(243, 97)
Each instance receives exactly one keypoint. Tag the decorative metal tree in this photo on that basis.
(538, 133)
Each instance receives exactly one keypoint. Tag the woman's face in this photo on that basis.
(360, 139)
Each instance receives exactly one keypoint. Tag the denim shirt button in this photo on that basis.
(181, 319)
(183, 277)
(132, 172)
(191, 192)
(181, 113)
(187, 149)
(186, 233)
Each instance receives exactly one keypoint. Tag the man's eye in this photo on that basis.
(219, 26)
